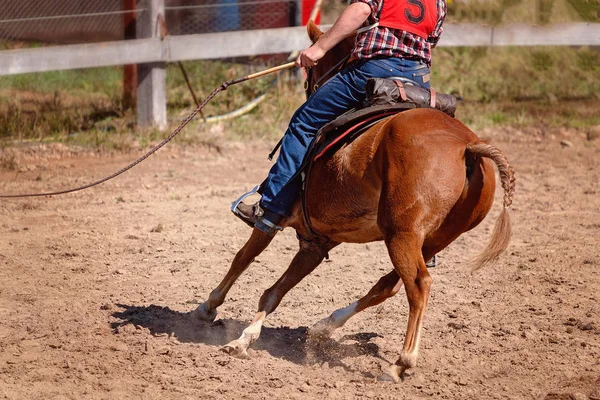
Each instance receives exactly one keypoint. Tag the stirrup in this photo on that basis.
(243, 197)
(235, 204)
(432, 263)
(260, 218)
(266, 226)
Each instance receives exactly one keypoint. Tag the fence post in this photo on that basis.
(152, 82)
(129, 70)
(299, 9)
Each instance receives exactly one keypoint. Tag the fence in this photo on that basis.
(77, 21)
(152, 48)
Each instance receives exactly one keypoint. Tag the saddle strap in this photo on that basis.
(401, 90)
(404, 97)
(277, 146)
(316, 238)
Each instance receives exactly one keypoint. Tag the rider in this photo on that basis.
(395, 41)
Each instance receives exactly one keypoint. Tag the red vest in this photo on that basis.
(418, 17)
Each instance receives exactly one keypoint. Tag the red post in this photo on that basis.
(307, 6)
(129, 71)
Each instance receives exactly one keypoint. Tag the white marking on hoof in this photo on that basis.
(322, 329)
(237, 349)
(392, 374)
(325, 327)
(205, 314)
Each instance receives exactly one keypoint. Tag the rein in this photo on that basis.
(326, 76)
(198, 109)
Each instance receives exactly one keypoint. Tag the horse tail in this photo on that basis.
(503, 229)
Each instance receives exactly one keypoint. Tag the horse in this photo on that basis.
(416, 180)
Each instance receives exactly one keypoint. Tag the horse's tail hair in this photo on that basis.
(503, 229)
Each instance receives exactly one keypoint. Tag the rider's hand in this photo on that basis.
(309, 57)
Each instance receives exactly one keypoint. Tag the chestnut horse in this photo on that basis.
(416, 180)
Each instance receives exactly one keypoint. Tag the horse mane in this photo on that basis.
(333, 56)
(339, 51)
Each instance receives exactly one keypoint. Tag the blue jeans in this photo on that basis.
(338, 95)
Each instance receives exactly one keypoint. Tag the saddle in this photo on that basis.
(385, 98)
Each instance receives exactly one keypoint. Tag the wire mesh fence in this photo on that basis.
(62, 21)
(199, 16)
(82, 21)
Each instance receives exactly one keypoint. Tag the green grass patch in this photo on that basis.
(588, 10)
(497, 12)
(94, 80)
(517, 73)
(84, 106)
(549, 86)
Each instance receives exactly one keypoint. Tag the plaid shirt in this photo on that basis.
(387, 42)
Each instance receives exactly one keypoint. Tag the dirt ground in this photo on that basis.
(96, 287)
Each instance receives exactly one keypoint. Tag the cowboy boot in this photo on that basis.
(255, 216)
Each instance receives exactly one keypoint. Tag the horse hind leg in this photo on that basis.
(257, 243)
(406, 256)
(385, 288)
(305, 261)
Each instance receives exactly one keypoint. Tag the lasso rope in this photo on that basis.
(223, 86)
(260, 98)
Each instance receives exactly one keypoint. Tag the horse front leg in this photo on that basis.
(305, 261)
(257, 243)
(385, 288)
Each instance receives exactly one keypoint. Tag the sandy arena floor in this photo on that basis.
(96, 287)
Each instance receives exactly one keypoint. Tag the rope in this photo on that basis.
(242, 110)
(139, 160)
(260, 98)
(198, 109)
(223, 86)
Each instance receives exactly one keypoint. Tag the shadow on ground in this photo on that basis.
(291, 344)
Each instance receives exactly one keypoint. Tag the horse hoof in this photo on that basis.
(235, 349)
(391, 374)
(318, 336)
(203, 313)
(321, 331)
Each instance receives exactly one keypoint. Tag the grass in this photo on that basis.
(515, 74)
(542, 114)
(498, 12)
(544, 86)
(84, 106)
(547, 86)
